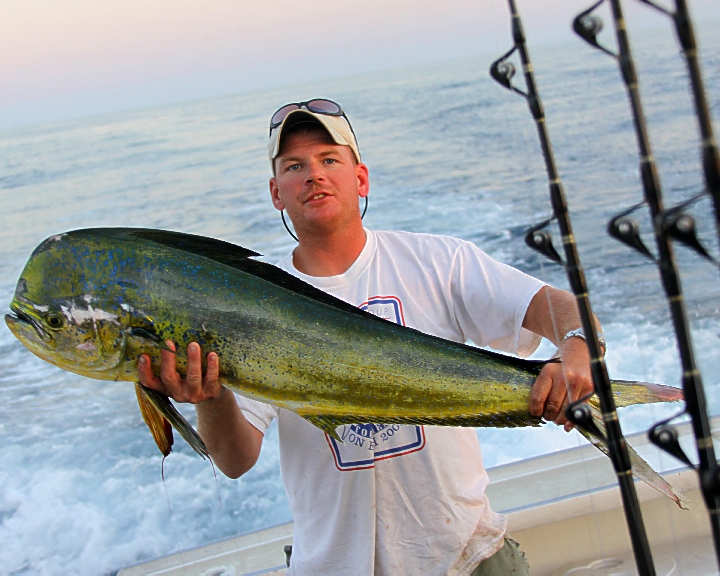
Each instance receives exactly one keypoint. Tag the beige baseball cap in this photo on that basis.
(336, 125)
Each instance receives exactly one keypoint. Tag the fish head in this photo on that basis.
(68, 316)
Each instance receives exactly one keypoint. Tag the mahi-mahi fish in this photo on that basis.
(92, 301)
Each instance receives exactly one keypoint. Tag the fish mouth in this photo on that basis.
(19, 316)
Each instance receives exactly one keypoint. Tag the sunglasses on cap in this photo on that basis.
(318, 106)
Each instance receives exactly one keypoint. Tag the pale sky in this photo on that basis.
(63, 59)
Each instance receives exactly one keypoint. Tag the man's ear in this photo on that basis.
(275, 194)
(363, 176)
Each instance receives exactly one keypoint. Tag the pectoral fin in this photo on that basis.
(148, 336)
(160, 428)
(160, 409)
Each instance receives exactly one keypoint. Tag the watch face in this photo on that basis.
(580, 333)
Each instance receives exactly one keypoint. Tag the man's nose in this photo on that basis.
(314, 172)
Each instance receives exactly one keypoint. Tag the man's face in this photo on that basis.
(318, 182)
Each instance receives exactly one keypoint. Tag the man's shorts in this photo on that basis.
(508, 560)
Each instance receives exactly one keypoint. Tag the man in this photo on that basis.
(411, 499)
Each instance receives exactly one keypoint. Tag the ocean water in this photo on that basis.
(449, 152)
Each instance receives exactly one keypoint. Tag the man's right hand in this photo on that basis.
(194, 387)
(233, 442)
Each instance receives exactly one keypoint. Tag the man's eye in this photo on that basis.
(330, 160)
(293, 167)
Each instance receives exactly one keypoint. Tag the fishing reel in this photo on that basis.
(540, 240)
(673, 223)
(666, 437)
(581, 415)
(681, 226)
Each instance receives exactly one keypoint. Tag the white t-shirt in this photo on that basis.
(402, 500)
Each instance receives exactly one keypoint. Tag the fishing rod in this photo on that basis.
(540, 239)
(623, 228)
(678, 224)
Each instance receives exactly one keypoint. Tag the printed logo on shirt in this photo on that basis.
(387, 307)
(364, 444)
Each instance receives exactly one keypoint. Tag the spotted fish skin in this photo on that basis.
(119, 292)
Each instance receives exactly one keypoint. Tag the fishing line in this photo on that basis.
(693, 389)
(653, 410)
(523, 138)
(710, 165)
(578, 413)
(217, 484)
(167, 494)
(170, 512)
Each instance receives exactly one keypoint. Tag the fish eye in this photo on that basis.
(54, 321)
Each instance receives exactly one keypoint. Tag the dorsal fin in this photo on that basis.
(224, 252)
(228, 254)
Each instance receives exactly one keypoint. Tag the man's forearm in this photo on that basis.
(552, 313)
(233, 442)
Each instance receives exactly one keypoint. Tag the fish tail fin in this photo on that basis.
(161, 416)
(640, 468)
(664, 393)
(627, 393)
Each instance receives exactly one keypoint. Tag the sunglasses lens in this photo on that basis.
(279, 116)
(323, 107)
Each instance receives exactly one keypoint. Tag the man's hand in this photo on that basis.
(552, 313)
(194, 387)
(562, 382)
(233, 442)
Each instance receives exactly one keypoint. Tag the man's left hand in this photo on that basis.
(562, 382)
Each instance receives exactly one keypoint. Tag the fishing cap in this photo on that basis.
(325, 112)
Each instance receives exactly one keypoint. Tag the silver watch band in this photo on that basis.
(580, 333)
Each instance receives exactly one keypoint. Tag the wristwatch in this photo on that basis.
(580, 333)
